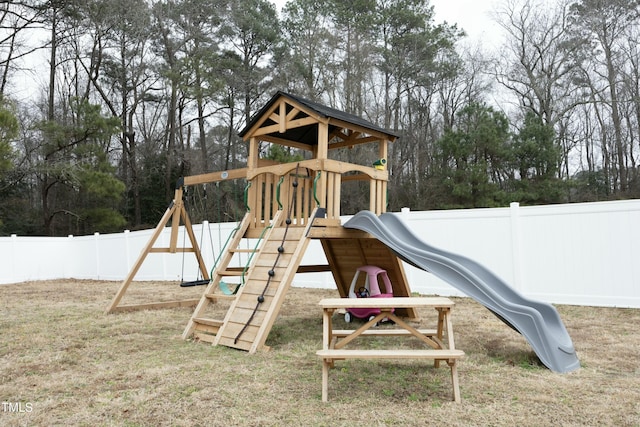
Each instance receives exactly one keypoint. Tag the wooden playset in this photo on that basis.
(288, 204)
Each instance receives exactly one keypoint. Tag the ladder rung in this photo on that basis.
(242, 250)
(207, 326)
(204, 337)
(214, 297)
(208, 322)
(238, 272)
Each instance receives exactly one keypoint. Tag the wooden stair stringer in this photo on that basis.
(241, 312)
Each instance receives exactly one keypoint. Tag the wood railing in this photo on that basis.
(319, 183)
(269, 192)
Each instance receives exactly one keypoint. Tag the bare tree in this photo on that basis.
(605, 24)
(539, 63)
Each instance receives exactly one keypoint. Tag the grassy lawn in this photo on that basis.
(66, 363)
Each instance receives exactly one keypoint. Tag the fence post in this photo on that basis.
(127, 251)
(96, 242)
(68, 267)
(516, 253)
(205, 251)
(14, 241)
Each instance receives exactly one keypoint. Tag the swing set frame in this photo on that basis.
(177, 215)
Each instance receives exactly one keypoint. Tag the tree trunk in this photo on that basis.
(171, 140)
(46, 179)
(615, 117)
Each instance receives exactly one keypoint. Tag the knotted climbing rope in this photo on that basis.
(271, 273)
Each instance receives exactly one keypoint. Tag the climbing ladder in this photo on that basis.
(257, 303)
(204, 328)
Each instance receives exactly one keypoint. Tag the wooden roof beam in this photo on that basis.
(276, 112)
(337, 133)
(361, 129)
(294, 112)
(282, 119)
(350, 143)
(286, 142)
(287, 125)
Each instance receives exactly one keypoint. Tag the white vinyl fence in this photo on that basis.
(582, 254)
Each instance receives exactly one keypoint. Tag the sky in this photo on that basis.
(474, 16)
(471, 15)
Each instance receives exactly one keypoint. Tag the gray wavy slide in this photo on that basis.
(538, 322)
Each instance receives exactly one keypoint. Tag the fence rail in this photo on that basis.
(582, 254)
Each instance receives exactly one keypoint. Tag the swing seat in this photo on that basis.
(224, 287)
(200, 282)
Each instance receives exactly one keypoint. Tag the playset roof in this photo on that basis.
(340, 122)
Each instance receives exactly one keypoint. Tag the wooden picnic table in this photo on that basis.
(439, 341)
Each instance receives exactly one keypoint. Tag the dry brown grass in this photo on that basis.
(76, 366)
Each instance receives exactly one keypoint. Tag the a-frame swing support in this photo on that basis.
(175, 213)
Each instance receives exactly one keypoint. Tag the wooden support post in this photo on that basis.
(383, 152)
(330, 200)
(178, 206)
(255, 191)
(372, 195)
(380, 196)
(384, 196)
(127, 281)
(194, 242)
(337, 195)
(323, 141)
(252, 160)
(322, 154)
(382, 149)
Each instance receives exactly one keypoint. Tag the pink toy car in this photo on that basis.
(368, 287)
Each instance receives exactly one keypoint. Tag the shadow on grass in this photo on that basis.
(296, 331)
(502, 352)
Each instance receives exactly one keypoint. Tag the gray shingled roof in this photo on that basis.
(309, 134)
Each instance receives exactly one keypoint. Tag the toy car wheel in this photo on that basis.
(371, 318)
(347, 317)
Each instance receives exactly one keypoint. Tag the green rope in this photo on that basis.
(233, 233)
(246, 196)
(278, 193)
(315, 188)
(224, 287)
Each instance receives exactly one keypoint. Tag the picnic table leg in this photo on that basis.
(325, 379)
(326, 328)
(440, 327)
(327, 338)
(454, 380)
(449, 327)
